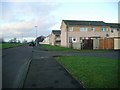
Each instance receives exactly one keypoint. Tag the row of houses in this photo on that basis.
(79, 34)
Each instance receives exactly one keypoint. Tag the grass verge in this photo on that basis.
(10, 45)
(59, 48)
(94, 72)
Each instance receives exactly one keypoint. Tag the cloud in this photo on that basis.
(21, 17)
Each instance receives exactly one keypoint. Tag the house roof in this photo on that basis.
(83, 22)
(114, 25)
(56, 32)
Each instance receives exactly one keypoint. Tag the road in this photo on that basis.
(105, 54)
(14, 64)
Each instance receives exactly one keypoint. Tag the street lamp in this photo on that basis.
(36, 35)
(22, 37)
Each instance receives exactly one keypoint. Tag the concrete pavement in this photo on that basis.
(46, 72)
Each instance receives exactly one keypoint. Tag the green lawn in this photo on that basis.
(56, 48)
(9, 45)
(94, 72)
(59, 48)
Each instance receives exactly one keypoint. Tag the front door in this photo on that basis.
(87, 44)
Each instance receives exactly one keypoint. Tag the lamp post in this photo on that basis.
(36, 36)
(22, 37)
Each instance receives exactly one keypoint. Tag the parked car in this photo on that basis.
(31, 44)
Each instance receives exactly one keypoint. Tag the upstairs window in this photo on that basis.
(83, 29)
(92, 29)
(57, 35)
(103, 29)
(70, 28)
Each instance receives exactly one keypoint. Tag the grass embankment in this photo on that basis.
(10, 45)
(94, 72)
(57, 48)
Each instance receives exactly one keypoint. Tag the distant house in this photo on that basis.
(83, 34)
(55, 38)
(46, 40)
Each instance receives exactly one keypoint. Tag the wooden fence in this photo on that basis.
(107, 43)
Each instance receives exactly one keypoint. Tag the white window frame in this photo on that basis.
(103, 29)
(83, 29)
(92, 29)
(70, 38)
(70, 29)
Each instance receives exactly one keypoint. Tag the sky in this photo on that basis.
(18, 18)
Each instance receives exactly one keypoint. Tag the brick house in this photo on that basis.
(83, 34)
(55, 37)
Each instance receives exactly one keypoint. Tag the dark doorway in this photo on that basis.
(87, 44)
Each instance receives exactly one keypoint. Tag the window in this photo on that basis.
(70, 28)
(92, 29)
(80, 39)
(70, 39)
(57, 35)
(83, 29)
(103, 29)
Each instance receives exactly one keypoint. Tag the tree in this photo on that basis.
(2, 40)
(40, 39)
(24, 41)
(14, 40)
(18, 41)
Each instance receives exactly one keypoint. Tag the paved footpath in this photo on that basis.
(46, 72)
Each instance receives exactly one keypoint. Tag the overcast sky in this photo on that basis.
(19, 17)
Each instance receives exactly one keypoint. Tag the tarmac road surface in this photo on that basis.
(14, 63)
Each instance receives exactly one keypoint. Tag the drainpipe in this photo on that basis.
(67, 37)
